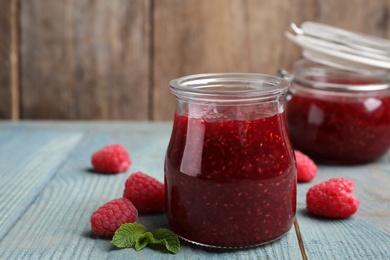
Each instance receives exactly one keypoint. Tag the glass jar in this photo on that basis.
(230, 173)
(339, 116)
(338, 110)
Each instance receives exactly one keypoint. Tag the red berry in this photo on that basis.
(306, 167)
(146, 192)
(111, 159)
(332, 199)
(109, 217)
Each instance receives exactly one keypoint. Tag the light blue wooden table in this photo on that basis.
(48, 193)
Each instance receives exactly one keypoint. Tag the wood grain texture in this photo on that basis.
(243, 36)
(56, 225)
(46, 167)
(97, 59)
(358, 15)
(15, 60)
(214, 36)
(6, 65)
(85, 59)
(36, 156)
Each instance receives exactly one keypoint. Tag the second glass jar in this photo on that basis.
(339, 116)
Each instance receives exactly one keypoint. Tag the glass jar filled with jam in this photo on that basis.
(338, 109)
(230, 172)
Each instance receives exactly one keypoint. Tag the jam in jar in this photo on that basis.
(230, 173)
(338, 116)
(338, 109)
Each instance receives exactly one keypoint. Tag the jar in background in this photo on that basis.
(230, 173)
(338, 109)
(339, 116)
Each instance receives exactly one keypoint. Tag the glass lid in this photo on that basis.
(341, 48)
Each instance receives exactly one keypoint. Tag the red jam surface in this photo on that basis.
(231, 183)
(345, 130)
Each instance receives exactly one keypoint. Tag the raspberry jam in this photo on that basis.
(339, 119)
(230, 174)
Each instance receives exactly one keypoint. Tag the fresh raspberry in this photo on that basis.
(111, 159)
(109, 217)
(306, 168)
(146, 192)
(332, 199)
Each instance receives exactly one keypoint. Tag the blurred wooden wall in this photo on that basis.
(100, 59)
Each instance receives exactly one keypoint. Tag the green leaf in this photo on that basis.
(136, 235)
(143, 240)
(127, 234)
(167, 238)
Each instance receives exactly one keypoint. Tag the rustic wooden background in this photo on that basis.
(100, 59)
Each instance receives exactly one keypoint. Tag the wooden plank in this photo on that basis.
(57, 225)
(85, 59)
(367, 232)
(28, 161)
(5, 66)
(385, 23)
(9, 60)
(370, 17)
(213, 36)
(15, 61)
(91, 59)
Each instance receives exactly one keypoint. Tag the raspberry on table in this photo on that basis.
(111, 159)
(332, 199)
(306, 167)
(109, 217)
(145, 192)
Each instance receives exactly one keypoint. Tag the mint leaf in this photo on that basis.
(136, 235)
(143, 240)
(167, 238)
(127, 235)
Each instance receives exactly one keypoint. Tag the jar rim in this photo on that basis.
(342, 87)
(230, 86)
(305, 69)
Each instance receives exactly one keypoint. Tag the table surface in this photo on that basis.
(48, 192)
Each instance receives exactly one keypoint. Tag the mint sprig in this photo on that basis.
(136, 235)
